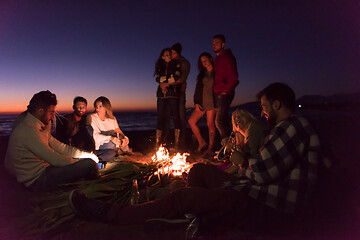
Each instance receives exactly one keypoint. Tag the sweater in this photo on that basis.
(32, 149)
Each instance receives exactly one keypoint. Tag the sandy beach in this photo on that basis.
(339, 134)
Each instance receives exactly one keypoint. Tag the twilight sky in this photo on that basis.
(107, 47)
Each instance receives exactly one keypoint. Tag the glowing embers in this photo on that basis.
(174, 165)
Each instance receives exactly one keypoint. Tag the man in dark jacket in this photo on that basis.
(226, 79)
(71, 129)
(184, 66)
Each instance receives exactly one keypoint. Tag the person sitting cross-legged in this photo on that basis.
(104, 128)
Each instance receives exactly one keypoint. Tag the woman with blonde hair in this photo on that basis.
(251, 130)
(245, 141)
(105, 130)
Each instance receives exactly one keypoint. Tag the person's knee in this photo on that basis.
(107, 154)
(196, 168)
(88, 163)
(191, 122)
(89, 167)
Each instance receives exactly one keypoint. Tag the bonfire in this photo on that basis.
(174, 165)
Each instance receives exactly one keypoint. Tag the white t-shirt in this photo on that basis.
(98, 126)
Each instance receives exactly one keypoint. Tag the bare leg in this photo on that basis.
(194, 118)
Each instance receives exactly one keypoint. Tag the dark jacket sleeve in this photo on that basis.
(61, 132)
(199, 89)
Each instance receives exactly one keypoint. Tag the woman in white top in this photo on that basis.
(105, 130)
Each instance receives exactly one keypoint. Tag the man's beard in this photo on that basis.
(217, 51)
(79, 114)
(45, 120)
(271, 120)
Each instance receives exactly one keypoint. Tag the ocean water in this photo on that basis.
(128, 121)
(6, 123)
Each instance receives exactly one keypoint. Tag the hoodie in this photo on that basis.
(226, 75)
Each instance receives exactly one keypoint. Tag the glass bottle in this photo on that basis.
(135, 194)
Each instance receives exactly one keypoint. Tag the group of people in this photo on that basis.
(98, 132)
(41, 159)
(214, 92)
(275, 171)
(277, 180)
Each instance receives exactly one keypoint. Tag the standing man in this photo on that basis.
(181, 82)
(71, 129)
(37, 159)
(226, 79)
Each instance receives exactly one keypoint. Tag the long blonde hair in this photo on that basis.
(243, 117)
(107, 105)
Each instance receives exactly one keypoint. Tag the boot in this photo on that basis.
(158, 137)
(177, 138)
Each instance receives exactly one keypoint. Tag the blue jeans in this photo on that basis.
(106, 152)
(222, 120)
(54, 176)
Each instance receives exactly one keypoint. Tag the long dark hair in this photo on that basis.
(161, 62)
(201, 68)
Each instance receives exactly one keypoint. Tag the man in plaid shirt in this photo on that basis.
(280, 178)
(285, 170)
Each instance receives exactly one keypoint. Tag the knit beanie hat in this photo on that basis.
(177, 48)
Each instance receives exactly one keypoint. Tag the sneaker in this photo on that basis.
(192, 231)
(89, 209)
(198, 229)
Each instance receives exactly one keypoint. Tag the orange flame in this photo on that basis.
(175, 165)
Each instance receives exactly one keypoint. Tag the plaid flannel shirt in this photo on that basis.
(285, 170)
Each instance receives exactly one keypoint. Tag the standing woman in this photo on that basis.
(204, 102)
(167, 72)
(105, 130)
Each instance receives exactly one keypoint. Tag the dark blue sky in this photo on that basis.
(94, 48)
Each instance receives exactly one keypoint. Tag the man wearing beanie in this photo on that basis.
(184, 72)
(226, 79)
